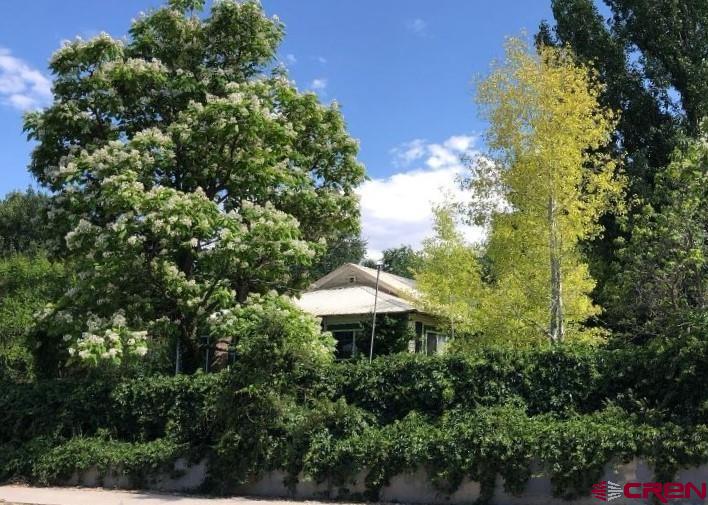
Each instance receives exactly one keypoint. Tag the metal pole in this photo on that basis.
(373, 318)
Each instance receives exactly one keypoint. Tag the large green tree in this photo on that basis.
(662, 284)
(348, 248)
(671, 39)
(29, 278)
(188, 173)
(402, 260)
(651, 56)
(23, 222)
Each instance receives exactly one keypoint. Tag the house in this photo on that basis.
(344, 300)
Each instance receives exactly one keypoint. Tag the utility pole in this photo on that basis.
(373, 318)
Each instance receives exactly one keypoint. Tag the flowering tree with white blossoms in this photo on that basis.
(186, 176)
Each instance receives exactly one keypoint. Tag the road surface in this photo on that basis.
(22, 495)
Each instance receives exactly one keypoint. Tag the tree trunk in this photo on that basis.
(556, 330)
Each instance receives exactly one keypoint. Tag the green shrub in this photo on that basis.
(183, 407)
(575, 451)
(662, 381)
(671, 447)
(27, 282)
(18, 458)
(392, 386)
(134, 460)
(59, 408)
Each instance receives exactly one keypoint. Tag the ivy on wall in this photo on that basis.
(572, 410)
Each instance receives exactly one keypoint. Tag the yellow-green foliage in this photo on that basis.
(449, 280)
(542, 190)
(545, 129)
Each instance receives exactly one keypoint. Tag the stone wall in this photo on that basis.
(406, 488)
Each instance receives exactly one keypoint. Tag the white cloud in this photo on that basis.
(322, 60)
(408, 152)
(290, 59)
(417, 26)
(22, 86)
(319, 83)
(460, 143)
(441, 156)
(398, 209)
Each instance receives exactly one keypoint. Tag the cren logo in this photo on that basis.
(661, 491)
(606, 490)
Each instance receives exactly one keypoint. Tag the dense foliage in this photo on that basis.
(187, 173)
(194, 187)
(450, 279)
(27, 283)
(571, 411)
(650, 55)
(29, 278)
(345, 249)
(23, 222)
(402, 260)
(662, 281)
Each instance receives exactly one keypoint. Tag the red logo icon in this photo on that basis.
(606, 490)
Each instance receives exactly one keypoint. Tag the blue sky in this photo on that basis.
(401, 69)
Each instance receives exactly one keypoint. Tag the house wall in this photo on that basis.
(350, 276)
(423, 326)
(360, 337)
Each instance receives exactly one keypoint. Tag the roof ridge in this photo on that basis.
(373, 271)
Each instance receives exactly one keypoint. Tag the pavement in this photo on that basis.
(23, 495)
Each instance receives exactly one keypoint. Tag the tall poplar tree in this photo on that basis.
(542, 189)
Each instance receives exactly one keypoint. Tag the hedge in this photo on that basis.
(138, 460)
(572, 410)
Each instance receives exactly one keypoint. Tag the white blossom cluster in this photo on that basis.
(275, 315)
(107, 340)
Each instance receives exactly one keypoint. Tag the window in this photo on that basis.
(428, 339)
(435, 342)
(348, 337)
(431, 342)
(418, 336)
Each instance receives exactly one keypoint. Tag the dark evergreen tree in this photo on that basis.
(651, 55)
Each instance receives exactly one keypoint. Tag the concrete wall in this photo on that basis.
(182, 477)
(406, 488)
